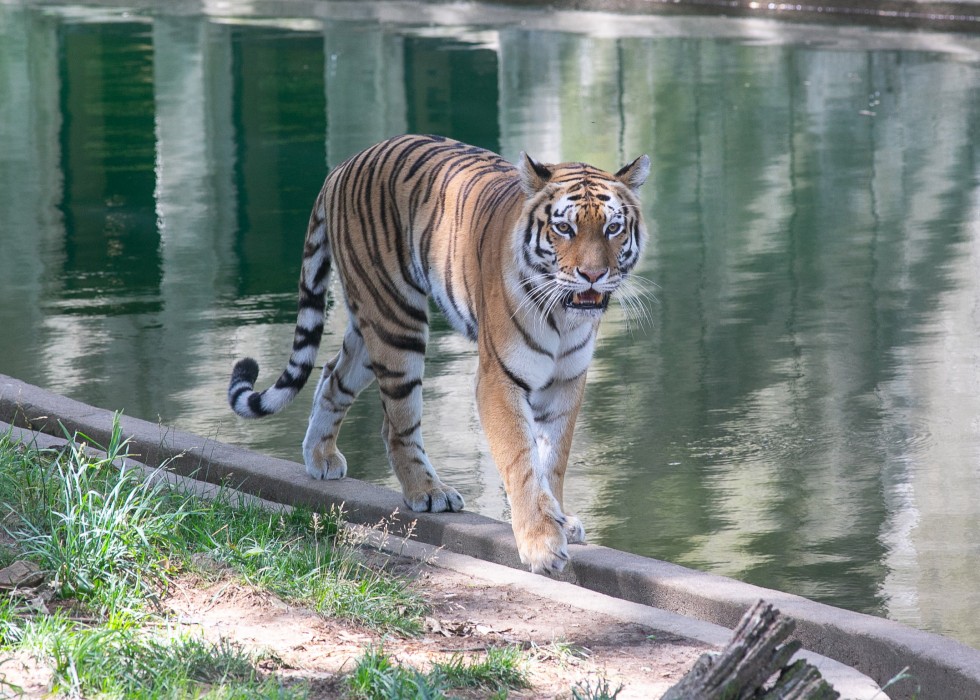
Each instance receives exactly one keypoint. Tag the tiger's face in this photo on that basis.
(584, 232)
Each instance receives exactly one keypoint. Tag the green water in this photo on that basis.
(801, 408)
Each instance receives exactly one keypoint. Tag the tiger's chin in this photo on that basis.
(590, 300)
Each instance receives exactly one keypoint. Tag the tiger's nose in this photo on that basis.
(592, 275)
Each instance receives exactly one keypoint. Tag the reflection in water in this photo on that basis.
(801, 411)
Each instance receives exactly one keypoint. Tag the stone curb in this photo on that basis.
(942, 668)
(851, 683)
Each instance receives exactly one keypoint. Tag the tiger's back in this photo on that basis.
(441, 205)
(521, 260)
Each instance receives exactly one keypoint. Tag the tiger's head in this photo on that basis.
(582, 232)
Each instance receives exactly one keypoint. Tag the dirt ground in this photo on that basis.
(566, 645)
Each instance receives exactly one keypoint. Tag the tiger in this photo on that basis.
(520, 259)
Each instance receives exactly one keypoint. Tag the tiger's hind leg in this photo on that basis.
(346, 376)
(399, 376)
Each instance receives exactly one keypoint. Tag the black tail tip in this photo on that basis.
(245, 370)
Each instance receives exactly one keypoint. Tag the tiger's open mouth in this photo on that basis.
(589, 299)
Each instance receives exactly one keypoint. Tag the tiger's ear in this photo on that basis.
(534, 175)
(635, 174)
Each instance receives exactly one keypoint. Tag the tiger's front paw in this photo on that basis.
(437, 499)
(325, 465)
(544, 545)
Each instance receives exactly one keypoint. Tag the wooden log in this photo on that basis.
(742, 670)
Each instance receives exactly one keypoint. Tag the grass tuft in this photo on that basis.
(602, 690)
(377, 677)
(98, 530)
(110, 539)
(127, 663)
(502, 667)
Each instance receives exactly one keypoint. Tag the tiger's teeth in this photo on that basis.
(589, 298)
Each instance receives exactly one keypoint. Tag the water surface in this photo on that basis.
(801, 406)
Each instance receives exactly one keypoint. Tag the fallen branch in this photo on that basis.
(743, 669)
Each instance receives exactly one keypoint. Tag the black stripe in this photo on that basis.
(381, 371)
(341, 387)
(401, 391)
(322, 272)
(305, 337)
(255, 405)
(308, 299)
(430, 153)
(571, 351)
(528, 339)
(233, 396)
(408, 431)
(408, 343)
(510, 375)
(289, 381)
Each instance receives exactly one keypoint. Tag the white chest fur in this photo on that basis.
(553, 356)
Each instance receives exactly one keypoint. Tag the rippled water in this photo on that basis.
(801, 408)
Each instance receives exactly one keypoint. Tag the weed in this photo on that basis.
(127, 663)
(98, 529)
(501, 667)
(564, 652)
(899, 677)
(10, 619)
(376, 677)
(584, 690)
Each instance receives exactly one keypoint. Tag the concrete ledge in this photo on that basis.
(879, 648)
(852, 684)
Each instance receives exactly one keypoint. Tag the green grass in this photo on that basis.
(299, 556)
(124, 660)
(378, 677)
(602, 690)
(99, 532)
(502, 667)
(112, 539)
(110, 542)
(126, 663)
(901, 677)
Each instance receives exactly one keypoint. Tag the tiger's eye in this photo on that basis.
(613, 228)
(563, 228)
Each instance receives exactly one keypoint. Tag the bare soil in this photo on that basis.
(565, 644)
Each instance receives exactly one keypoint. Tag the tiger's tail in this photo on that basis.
(315, 276)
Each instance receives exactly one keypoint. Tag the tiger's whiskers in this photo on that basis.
(634, 296)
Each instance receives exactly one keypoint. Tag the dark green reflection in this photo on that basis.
(452, 90)
(279, 119)
(111, 242)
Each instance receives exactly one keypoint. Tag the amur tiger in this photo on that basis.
(521, 259)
